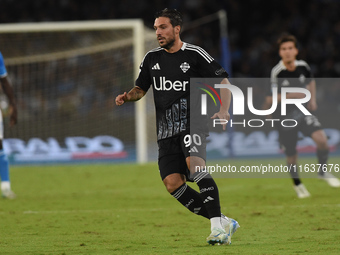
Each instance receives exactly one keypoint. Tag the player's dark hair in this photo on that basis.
(176, 18)
(287, 38)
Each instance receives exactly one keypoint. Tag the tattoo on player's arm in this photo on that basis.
(135, 94)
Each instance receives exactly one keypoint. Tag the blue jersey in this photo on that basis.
(3, 71)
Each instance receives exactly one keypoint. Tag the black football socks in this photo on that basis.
(294, 174)
(208, 192)
(191, 199)
(322, 156)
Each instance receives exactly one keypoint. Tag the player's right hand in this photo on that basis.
(121, 99)
(222, 115)
(13, 116)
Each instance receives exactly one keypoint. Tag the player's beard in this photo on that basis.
(168, 43)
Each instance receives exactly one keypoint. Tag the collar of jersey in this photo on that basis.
(284, 67)
(182, 48)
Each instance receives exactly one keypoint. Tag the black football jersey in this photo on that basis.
(169, 75)
(281, 77)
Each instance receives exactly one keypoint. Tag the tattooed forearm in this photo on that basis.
(135, 94)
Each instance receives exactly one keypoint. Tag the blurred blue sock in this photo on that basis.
(4, 169)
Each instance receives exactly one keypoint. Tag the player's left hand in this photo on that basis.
(224, 115)
(312, 106)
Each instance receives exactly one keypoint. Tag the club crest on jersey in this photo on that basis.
(185, 67)
(302, 78)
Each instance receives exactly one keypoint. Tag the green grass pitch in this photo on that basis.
(124, 209)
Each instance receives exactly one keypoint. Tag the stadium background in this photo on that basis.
(124, 208)
(253, 28)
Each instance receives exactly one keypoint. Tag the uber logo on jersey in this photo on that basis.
(169, 85)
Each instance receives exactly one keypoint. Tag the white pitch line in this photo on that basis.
(93, 211)
(120, 211)
(291, 206)
(278, 207)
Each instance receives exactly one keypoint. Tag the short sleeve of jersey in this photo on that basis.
(144, 79)
(3, 71)
(210, 68)
(273, 82)
(309, 74)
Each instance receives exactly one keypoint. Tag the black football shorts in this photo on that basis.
(288, 136)
(173, 151)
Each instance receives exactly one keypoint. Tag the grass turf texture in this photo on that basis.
(124, 209)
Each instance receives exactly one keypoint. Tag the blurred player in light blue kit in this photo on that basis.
(4, 168)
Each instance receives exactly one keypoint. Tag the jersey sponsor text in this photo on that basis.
(166, 85)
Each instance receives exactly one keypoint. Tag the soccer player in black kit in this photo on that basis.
(168, 70)
(290, 72)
